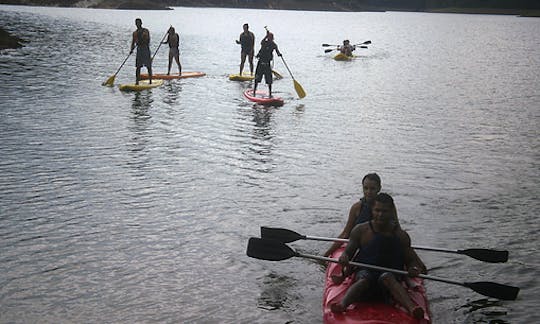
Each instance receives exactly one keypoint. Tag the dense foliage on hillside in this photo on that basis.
(344, 5)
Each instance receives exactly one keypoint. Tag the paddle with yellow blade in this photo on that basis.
(299, 90)
(110, 81)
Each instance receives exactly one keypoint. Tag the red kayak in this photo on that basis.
(262, 98)
(370, 312)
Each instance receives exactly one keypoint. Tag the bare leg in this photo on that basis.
(242, 61)
(177, 58)
(251, 62)
(137, 74)
(400, 295)
(355, 293)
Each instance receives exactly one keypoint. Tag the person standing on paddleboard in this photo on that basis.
(173, 39)
(141, 40)
(263, 65)
(247, 41)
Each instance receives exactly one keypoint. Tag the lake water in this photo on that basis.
(137, 207)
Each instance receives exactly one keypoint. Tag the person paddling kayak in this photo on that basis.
(380, 242)
(346, 48)
(361, 212)
(268, 46)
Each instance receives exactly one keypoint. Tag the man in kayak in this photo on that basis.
(141, 40)
(360, 212)
(263, 65)
(383, 243)
(247, 42)
(346, 48)
(173, 39)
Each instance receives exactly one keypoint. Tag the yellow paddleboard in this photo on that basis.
(246, 76)
(143, 85)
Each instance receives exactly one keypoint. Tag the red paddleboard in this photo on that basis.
(370, 312)
(262, 98)
(174, 76)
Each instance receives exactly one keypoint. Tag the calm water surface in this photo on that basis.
(137, 207)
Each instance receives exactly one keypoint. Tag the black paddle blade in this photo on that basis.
(493, 289)
(328, 50)
(280, 234)
(486, 255)
(266, 249)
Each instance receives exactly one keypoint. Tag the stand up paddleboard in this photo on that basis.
(143, 85)
(245, 76)
(262, 98)
(164, 76)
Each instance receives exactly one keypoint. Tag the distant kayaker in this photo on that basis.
(247, 42)
(361, 211)
(141, 40)
(346, 48)
(265, 58)
(173, 39)
(383, 243)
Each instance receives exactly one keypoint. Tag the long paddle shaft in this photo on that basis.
(110, 81)
(157, 49)
(364, 43)
(335, 49)
(287, 236)
(273, 250)
(299, 90)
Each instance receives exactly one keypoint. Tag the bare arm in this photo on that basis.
(348, 228)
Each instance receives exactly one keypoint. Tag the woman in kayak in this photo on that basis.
(360, 212)
(346, 48)
(263, 65)
(383, 243)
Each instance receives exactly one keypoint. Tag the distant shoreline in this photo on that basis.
(281, 5)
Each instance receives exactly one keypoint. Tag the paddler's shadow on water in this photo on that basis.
(484, 311)
(141, 102)
(276, 292)
(172, 92)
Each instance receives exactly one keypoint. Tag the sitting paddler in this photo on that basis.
(264, 67)
(346, 48)
(360, 212)
(380, 242)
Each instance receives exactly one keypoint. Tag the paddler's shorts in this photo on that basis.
(143, 57)
(377, 291)
(263, 69)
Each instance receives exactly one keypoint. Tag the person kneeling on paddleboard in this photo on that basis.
(263, 65)
(383, 243)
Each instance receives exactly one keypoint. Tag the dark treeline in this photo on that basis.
(344, 5)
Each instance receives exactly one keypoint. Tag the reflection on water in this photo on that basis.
(276, 292)
(451, 126)
(485, 311)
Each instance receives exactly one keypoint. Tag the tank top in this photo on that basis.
(364, 214)
(382, 250)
